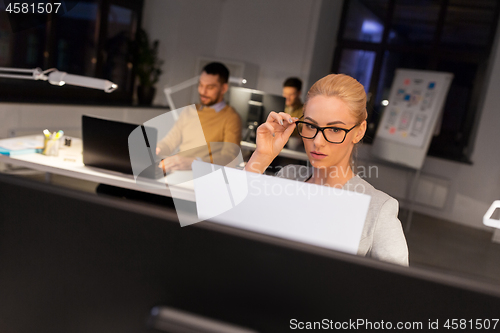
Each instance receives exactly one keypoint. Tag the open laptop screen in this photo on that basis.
(106, 145)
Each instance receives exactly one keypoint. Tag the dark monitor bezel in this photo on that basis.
(240, 99)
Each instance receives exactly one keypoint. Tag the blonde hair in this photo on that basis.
(344, 87)
(350, 91)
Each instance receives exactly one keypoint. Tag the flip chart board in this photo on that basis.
(416, 101)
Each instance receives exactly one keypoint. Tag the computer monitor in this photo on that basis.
(272, 103)
(78, 263)
(254, 106)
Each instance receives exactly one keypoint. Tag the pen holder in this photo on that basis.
(51, 146)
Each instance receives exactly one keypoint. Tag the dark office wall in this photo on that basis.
(275, 36)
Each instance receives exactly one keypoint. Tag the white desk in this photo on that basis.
(70, 163)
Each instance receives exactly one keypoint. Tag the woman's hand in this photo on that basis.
(274, 133)
(271, 138)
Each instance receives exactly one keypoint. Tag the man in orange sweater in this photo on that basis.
(221, 125)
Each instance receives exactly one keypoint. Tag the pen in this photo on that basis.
(46, 133)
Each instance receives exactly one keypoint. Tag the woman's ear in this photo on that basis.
(360, 132)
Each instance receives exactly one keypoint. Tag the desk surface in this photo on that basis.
(70, 163)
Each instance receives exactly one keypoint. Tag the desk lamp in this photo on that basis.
(58, 78)
(491, 218)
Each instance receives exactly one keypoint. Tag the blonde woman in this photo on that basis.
(334, 122)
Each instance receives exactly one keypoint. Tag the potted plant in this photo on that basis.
(148, 67)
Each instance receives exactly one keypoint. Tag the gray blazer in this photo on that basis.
(382, 237)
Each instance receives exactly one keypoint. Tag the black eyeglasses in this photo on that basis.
(331, 134)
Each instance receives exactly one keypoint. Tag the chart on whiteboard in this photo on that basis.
(412, 109)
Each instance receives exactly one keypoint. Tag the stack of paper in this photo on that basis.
(20, 146)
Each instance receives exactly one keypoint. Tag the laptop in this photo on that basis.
(106, 146)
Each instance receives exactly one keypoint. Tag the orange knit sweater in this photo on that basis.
(212, 136)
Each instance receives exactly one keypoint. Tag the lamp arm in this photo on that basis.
(170, 101)
(188, 83)
(183, 85)
(237, 80)
(30, 74)
(56, 77)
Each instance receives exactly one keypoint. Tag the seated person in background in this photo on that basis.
(335, 121)
(221, 124)
(292, 88)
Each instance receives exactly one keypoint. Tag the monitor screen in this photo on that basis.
(254, 105)
(106, 145)
(272, 103)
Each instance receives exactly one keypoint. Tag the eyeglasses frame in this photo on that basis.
(322, 129)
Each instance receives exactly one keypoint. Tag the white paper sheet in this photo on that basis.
(22, 143)
(317, 215)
